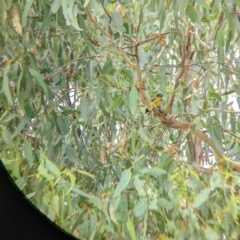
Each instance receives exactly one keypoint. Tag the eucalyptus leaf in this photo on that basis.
(123, 183)
(141, 207)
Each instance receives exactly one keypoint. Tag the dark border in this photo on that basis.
(19, 218)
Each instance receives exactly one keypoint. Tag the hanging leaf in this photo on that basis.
(38, 77)
(201, 198)
(144, 136)
(55, 6)
(44, 172)
(211, 234)
(52, 167)
(133, 97)
(63, 125)
(21, 125)
(153, 171)
(28, 151)
(123, 183)
(131, 228)
(27, 7)
(16, 20)
(6, 86)
(161, 202)
(141, 207)
(191, 13)
(116, 104)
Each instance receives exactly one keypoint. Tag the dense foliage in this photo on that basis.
(77, 77)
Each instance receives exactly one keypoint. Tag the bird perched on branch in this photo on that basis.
(157, 101)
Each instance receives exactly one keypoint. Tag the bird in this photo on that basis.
(157, 101)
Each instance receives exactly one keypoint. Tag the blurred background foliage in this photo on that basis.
(74, 133)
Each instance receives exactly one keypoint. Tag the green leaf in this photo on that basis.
(131, 228)
(116, 104)
(55, 6)
(6, 86)
(84, 107)
(216, 181)
(133, 140)
(211, 234)
(66, 111)
(20, 182)
(233, 121)
(117, 23)
(144, 136)
(28, 151)
(55, 52)
(21, 125)
(46, 19)
(70, 13)
(141, 207)
(30, 195)
(133, 97)
(195, 106)
(44, 172)
(203, 4)
(63, 125)
(70, 153)
(86, 2)
(107, 68)
(139, 184)
(38, 77)
(216, 136)
(26, 11)
(201, 198)
(171, 226)
(152, 171)
(55, 204)
(9, 117)
(181, 6)
(7, 138)
(161, 202)
(82, 193)
(123, 183)
(86, 173)
(52, 167)
(191, 13)
(72, 180)
(215, 96)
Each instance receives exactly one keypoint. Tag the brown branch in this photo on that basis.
(225, 130)
(140, 82)
(154, 37)
(139, 21)
(235, 165)
(183, 65)
(97, 25)
(185, 126)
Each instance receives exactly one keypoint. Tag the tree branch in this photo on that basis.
(97, 25)
(183, 65)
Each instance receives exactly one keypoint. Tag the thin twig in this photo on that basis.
(60, 69)
(200, 41)
(225, 130)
